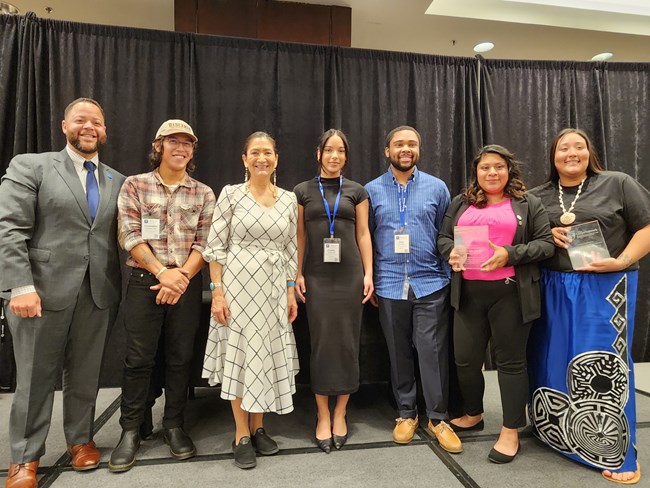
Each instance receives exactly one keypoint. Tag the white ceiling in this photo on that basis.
(520, 29)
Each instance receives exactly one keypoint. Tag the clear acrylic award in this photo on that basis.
(587, 244)
(471, 241)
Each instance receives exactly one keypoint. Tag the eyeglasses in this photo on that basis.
(173, 142)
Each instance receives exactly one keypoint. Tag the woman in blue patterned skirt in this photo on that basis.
(580, 363)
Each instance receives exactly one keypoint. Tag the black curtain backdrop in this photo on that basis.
(227, 88)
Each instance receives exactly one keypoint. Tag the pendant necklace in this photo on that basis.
(568, 217)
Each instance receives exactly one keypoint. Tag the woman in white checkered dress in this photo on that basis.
(252, 252)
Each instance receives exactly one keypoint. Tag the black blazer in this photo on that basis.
(533, 242)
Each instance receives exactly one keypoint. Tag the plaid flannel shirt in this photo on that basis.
(185, 215)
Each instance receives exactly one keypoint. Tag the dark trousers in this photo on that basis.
(422, 325)
(491, 310)
(145, 321)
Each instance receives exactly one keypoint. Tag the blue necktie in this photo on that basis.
(92, 190)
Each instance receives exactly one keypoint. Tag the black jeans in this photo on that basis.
(145, 322)
(490, 310)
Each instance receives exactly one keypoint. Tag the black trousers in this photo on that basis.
(422, 325)
(145, 321)
(491, 310)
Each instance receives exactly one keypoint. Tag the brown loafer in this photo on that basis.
(447, 438)
(22, 475)
(405, 430)
(84, 456)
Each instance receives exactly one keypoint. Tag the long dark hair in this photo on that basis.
(594, 166)
(322, 141)
(515, 188)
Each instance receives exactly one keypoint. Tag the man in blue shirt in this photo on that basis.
(412, 285)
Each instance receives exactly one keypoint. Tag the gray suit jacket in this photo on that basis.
(46, 236)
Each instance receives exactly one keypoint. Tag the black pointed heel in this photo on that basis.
(325, 445)
(339, 441)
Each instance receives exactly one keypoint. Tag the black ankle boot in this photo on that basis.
(180, 444)
(123, 456)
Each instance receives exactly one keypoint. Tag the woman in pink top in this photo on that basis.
(493, 235)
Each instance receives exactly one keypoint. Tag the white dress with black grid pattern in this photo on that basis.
(254, 357)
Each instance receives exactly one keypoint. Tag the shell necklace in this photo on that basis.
(568, 217)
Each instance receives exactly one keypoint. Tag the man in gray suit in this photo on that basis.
(59, 259)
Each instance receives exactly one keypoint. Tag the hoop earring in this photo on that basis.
(245, 174)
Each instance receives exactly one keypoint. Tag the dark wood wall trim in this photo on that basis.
(266, 19)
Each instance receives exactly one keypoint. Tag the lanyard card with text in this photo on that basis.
(331, 244)
(402, 241)
(150, 229)
(332, 250)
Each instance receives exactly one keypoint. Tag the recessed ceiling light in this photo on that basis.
(602, 57)
(7, 8)
(484, 47)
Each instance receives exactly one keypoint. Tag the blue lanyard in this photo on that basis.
(331, 216)
(402, 195)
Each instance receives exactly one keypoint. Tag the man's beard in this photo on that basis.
(76, 143)
(403, 169)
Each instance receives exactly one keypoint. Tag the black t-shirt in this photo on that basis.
(617, 201)
(317, 225)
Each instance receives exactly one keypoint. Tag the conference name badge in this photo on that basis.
(402, 241)
(150, 229)
(332, 250)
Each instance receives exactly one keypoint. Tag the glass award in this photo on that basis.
(587, 244)
(471, 241)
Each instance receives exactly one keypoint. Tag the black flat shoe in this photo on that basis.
(263, 443)
(476, 427)
(325, 445)
(339, 440)
(500, 458)
(244, 453)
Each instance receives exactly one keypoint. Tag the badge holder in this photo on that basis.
(402, 241)
(332, 250)
(150, 229)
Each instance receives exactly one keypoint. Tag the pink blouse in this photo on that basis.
(502, 225)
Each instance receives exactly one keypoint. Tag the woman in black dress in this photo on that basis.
(334, 281)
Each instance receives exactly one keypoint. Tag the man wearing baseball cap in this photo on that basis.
(164, 218)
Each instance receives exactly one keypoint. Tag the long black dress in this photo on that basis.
(334, 290)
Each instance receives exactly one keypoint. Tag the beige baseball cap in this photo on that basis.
(176, 126)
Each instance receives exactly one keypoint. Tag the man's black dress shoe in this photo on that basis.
(180, 444)
(244, 453)
(263, 443)
(478, 426)
(339, 440)
(123, 456)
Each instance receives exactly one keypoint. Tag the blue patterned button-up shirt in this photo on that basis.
(422, 268)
